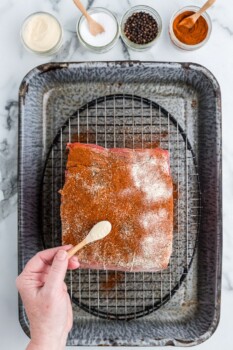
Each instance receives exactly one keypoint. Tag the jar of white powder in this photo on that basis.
(101, 42)
(41, 33)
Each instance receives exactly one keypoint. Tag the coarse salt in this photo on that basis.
(152, 220)
(149, 182)
(109, 24)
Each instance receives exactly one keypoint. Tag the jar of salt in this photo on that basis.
(102, 42)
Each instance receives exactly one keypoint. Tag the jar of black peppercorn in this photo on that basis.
(141, 27)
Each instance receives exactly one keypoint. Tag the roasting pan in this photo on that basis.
(176, 106)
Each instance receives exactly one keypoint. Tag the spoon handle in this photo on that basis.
(206, 6)
(76, 248)
(81, 8)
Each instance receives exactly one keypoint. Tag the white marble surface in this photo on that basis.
(217, 55)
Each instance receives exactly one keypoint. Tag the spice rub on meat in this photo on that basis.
(130, 188)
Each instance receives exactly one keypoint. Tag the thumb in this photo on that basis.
(57, 272)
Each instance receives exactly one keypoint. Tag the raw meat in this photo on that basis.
(130, 188)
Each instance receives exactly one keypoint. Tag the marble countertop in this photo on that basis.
(217, 56)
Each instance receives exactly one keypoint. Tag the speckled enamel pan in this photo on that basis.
(176, 106)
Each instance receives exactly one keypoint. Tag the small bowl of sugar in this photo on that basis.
(102, 42)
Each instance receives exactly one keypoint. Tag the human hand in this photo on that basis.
(45, 298)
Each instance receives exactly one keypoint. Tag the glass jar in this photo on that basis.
(98, 48)
(154, 14)
(176, 41)
(54, 47)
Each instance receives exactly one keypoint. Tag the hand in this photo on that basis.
(45, 298)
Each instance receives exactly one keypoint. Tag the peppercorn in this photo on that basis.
(141, 28)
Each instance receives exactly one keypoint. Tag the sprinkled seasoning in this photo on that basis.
(141, 28)
(190, 36)
(119, 185)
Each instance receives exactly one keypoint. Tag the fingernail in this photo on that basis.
(61, 255)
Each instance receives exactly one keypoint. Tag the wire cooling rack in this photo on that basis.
(133, 122)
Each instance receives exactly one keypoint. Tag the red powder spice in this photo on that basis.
(190, 36)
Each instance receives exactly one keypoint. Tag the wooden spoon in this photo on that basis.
(189, 21)
(94, 27)
(99, 231)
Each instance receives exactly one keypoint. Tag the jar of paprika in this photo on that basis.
(190, 38)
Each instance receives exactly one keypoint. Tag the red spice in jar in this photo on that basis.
(190, 36)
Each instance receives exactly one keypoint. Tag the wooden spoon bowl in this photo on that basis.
(99, 231)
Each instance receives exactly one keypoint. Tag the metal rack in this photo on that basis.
(133, 122)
